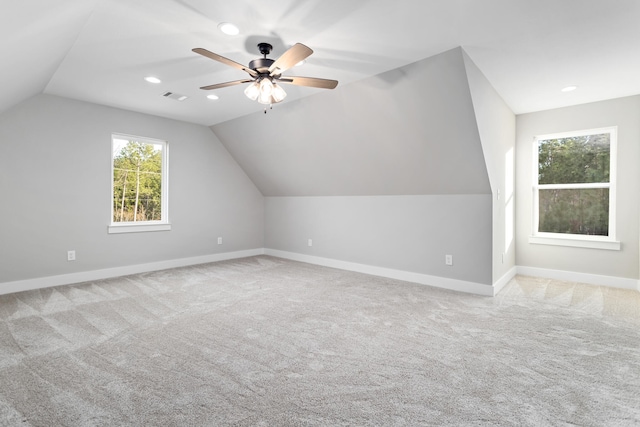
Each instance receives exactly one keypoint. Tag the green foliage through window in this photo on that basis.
(137, 181)
(573, 160)
(575, 211)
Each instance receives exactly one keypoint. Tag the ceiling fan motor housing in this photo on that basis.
(261, 65)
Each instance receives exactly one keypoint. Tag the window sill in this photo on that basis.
(137, 228)
(576, 242)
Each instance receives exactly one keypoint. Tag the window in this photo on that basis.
(139, 197)
(574, 189)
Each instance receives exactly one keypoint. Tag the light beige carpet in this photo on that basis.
(263, 341)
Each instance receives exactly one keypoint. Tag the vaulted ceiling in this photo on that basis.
(100, 50)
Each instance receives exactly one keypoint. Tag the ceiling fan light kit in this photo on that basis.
(265, 73)
(252, 91)
(278, 94)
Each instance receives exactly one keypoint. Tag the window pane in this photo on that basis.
(573, 160)
(137, 181)
(575, 211)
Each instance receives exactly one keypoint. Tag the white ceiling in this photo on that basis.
(100, 50)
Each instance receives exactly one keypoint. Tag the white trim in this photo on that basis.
(87, 276)
(502, 282)
(407, 276)
(583, 186)
(574, 241)
(572, 276)
(140, 227)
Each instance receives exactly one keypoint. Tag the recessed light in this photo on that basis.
(152, 79)
(213, 97)
(229, 29)
(569, 88)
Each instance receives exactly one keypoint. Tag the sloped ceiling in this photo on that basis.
(35, 37)
(411, 130)
(100, 50)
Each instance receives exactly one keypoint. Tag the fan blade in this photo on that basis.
(221, 85)
(227, 61)
(291, 57)
(309, 81)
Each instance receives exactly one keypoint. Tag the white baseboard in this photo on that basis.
(87, 276)
(407, 276)
(572, 276)
(424, 279)
(502, 282)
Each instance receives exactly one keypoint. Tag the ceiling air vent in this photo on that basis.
(176, 96)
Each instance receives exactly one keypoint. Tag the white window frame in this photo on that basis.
(577, 240)
(143, 226)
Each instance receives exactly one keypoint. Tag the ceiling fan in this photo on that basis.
(265, 73)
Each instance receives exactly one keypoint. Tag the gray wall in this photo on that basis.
(408, 233)
(55, 191)
(497, 129)
(624, 113)
(395, 166)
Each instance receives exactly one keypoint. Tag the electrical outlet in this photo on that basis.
(71, 255)
(310, 242)
(448, 259)
(219, 240)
